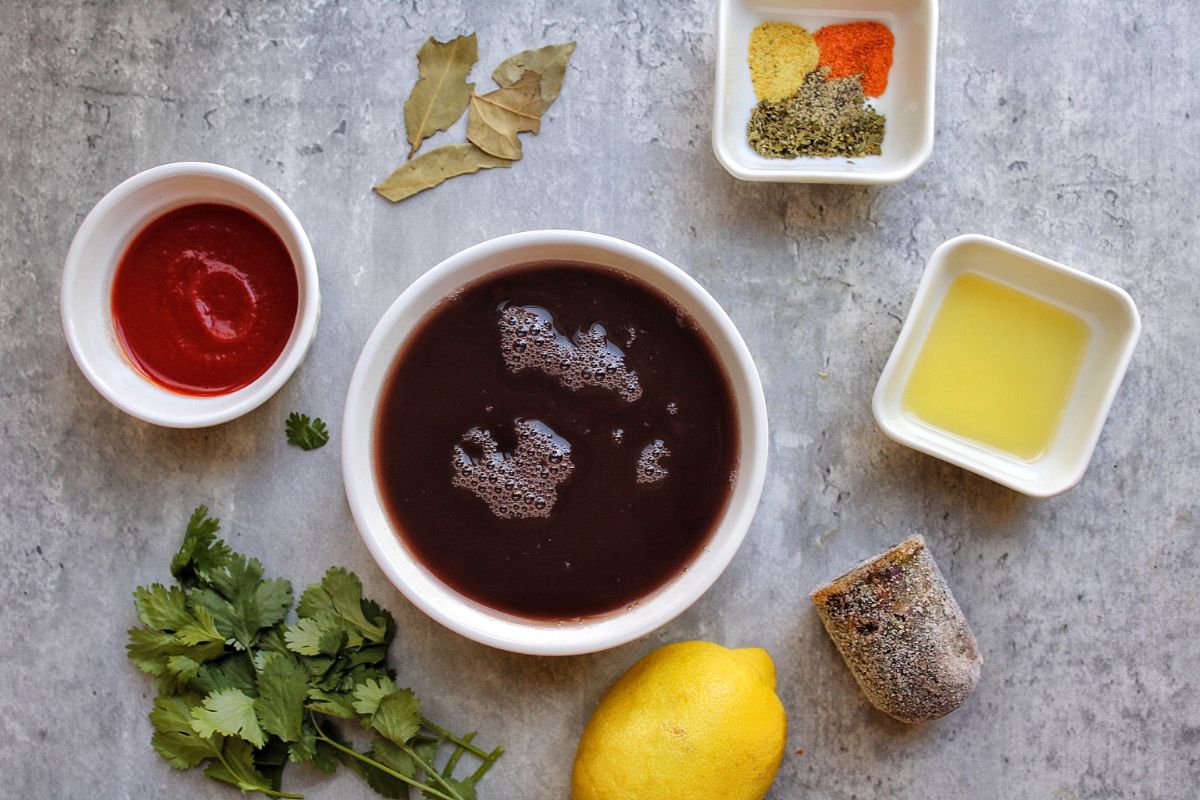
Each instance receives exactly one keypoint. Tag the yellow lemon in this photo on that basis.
(691, 720)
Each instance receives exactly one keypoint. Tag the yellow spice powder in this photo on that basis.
(781, 54)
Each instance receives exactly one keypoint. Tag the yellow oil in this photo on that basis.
(997, 366)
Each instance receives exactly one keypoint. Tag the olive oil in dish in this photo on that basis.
(997, 367)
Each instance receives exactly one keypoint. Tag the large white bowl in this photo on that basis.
(425, 589)
(92, 263)
(907, 103)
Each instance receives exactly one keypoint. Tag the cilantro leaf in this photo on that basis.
(397, 716)
(201, 550)
(305, 433)
(242, 603)
(234, 671)
(424, 748)
(182, 669)
(174, 738)
(152, 651)
(381, 617)
(270, 602)
(271, 760)
(200, 628)
(231, 712)
(366, 656)
(334, 704)
(271, 641)
(304, 749)
(465, 789)
(161, 608)
(340, 593)
(314, 636)
(310, 750)
(236, 767)
(384, 785)
(282, 690)
(236, 577)
(149, 649)
(393, 758)
(368, 694)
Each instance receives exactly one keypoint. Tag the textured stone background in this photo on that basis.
(1064, 127)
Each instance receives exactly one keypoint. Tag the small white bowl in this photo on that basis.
(907, 103)
(1114, 326)
(425, 589)
(92, 262)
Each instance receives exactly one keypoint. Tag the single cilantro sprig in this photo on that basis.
(305, 433)
(243, 693)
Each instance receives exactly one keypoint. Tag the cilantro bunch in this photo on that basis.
(244, 693)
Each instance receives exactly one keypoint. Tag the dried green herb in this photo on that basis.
(496, 118)
(441, 94)
(825, 118)
(438, 165)
(529, 82)
(549, 62)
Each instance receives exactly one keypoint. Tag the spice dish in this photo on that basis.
(1042, 300)
(101, 244)
(907, 103)
(397, 329)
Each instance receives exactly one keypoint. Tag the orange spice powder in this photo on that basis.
(858, 48)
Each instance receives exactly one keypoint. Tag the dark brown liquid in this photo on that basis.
(625, 496)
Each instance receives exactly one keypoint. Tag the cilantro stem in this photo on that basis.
(267, 790)
(452, 762)
(488, 760)
(430, 772)
(320, 734)
(273, 793)
(462, 741)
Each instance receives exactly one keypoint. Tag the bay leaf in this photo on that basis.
(436, 166)
(441, 94)
(496, 118)
(550, 62)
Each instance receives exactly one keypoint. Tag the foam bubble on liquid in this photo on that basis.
(530, 340)
(515, 485)
(649, 466)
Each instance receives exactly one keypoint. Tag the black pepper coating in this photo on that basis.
(902, 633)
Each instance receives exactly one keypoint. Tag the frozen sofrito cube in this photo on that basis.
(902, 633)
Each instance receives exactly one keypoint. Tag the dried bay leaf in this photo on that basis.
(496, 118)
(434, 167)
(550, 62)
(441, 94)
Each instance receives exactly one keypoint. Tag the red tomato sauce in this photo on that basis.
(204, 299)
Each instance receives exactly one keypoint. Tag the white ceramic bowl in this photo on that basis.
(907, 103)
(92, 262)
(425, 589)
(1113, 324)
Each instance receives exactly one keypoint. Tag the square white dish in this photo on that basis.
(907, 103)
(1113, 324)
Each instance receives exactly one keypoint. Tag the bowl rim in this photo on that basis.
(208, 410)
(938, 262)
(468, 618)
(742, 171)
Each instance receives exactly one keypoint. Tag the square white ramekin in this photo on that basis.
(907, 103)
(1114, 326)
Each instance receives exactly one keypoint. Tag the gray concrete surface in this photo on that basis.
(1068, 128)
